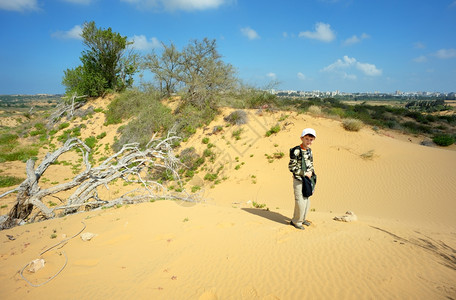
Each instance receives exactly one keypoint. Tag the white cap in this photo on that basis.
(309, 131)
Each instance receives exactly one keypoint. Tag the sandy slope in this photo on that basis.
(403, 245)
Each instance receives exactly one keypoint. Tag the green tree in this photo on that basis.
(107, 65)
(166, 68)
(204, 73)
(198, 70)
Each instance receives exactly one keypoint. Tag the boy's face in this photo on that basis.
(307, 140)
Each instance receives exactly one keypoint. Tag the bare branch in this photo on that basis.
(128, 162)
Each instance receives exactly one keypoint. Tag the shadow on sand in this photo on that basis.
(270, 215)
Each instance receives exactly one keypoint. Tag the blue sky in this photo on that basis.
(327, 45)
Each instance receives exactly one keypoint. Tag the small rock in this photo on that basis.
(36, 264)
(87, 236)
(348, 217)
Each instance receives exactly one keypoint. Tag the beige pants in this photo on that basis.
(302, 203)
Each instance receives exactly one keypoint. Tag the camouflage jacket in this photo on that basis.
(295, 164)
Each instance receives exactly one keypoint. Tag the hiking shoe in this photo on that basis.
(307, 223)
(296, 226)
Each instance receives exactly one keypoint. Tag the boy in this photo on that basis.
(299, 155)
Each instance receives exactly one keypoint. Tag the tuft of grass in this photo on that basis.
(352, 124)
(195, 188)
(205, 140)
(63, 126)
(258, 205)
(6, 181)
(274, 129)
(237, 134)
(368, 155)
(211, 176)
(101, 135)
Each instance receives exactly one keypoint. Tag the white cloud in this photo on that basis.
(271, 75)
(19, 5)
(446, 53)
(85, 2)
(175, 5)
(419, 45)
(301, 76)
(368, 69)
(140, 42)
(420, 59)
(250, 33)
(323, 32)
(351, 63)
(355, 39)
(73, 33)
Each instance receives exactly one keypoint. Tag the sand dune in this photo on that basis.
(402, 246)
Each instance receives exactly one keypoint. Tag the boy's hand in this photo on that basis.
(308, 174)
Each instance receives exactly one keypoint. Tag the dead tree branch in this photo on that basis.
(65, 108)
(129, 162)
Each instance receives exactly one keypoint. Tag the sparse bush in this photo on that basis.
(6, 181)
(63, 126)
(90, 142)
(20, 154)
(314, 110)
(237, 117)
(443, 140)
(152, 117)
(352, 124)
(101, 135)
(195, 188)
(237, 133)
(211, 176)
(191, 159)
(274, 129)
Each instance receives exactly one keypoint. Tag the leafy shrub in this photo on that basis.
(101, 135)
(443, 140)
(63, 126)
(352, 124)
(211, 176)
(195, 188)
(237, 133)
(237, 117)
(274, 129)
(90, 142)
(205, 140)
